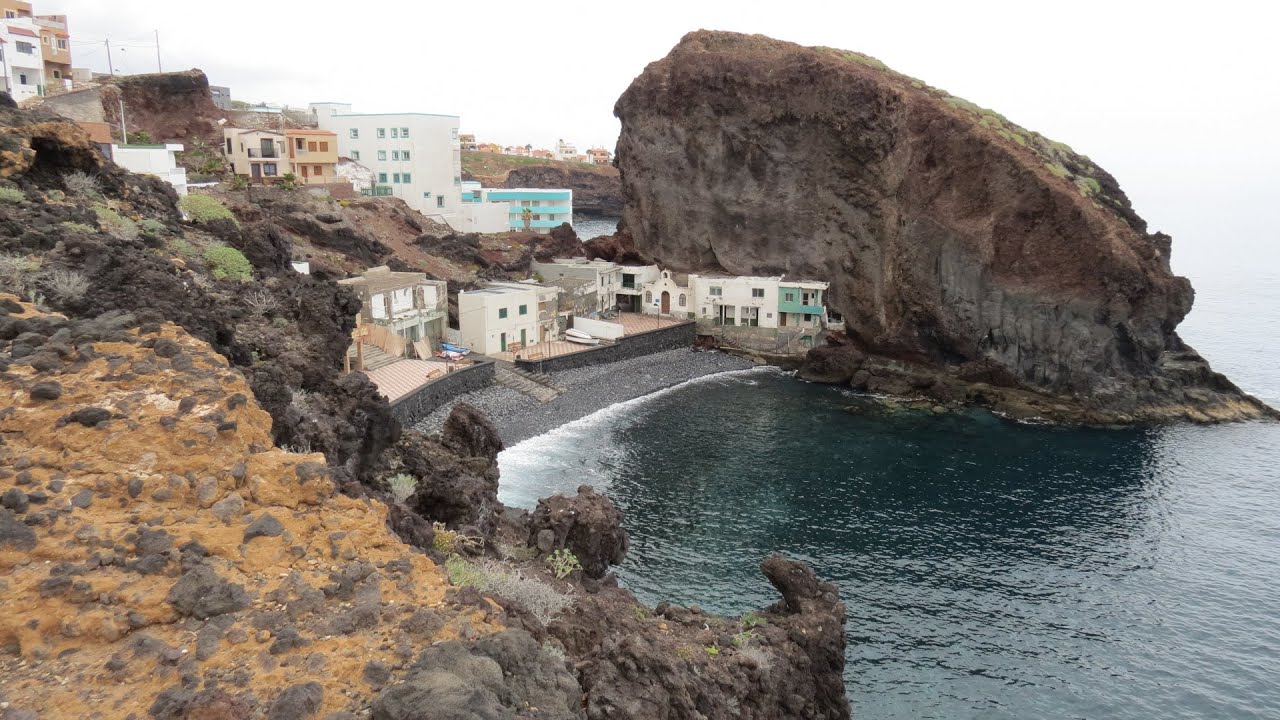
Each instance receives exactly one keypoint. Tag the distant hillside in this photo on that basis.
(597, 189)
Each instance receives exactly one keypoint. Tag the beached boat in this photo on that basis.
(572, 333)
(454, 349)
(581, 340)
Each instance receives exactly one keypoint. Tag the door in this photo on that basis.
(666, 303)
(304, 171)
(257, 169)
(503, 340)
(782, 319)
(522, 338)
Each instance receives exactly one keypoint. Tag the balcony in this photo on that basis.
(259, 153)
(797, 307)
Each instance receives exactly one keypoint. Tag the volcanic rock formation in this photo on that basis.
(957, 244)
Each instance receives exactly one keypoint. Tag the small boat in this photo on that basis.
(572, 333)
(449, 355)
(581, 340)
(459, 350)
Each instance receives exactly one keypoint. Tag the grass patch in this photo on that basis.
(203, 209)
(1088, 186)
(17, 272)
(152, 226)
(1057, 169)
(753, 619)
(115, 224)
(228, 262)
(11, 195)
(78, 227)
(402, 486)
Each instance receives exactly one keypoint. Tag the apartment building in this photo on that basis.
(565, 150)
(55, 46)
(313, 156)
(416, 157)
(600, 156)
(605, 277)
(498, 317)
(547, 208)
(221, 95)
(766, 302)
(468, 142)
(261, 156)
(23, 60)
(414, 307)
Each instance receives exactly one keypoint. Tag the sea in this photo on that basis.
(991, 569)
(593, 227)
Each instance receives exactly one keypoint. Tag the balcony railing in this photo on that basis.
(257, 153)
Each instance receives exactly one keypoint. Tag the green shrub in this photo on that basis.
(116, 224)
(1057, 169)
(183, 249)
(11, 195)
(752, 619)
(563, 562)
(238, 182)
(78, 227)
(140, 137)
(17, 272)
(153, 226)
(488, 576)
(203, 209)
(81, 184)
(228, 262)
(289, 181)
(1088, 186)
(402, 486)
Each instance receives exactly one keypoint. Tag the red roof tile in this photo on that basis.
(22, 31)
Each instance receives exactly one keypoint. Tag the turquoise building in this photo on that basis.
(537, 209)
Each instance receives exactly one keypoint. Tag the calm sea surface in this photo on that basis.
(991, 570)
(588, 227)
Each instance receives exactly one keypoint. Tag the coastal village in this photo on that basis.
(507, 332)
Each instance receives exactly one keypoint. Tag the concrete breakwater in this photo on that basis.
(587, 389)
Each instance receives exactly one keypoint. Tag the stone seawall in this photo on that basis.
(646, 343)
(420, 403)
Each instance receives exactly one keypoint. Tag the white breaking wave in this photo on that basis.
(522, 465)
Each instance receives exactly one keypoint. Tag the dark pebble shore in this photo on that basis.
(519, 417)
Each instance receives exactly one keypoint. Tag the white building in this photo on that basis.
(634, 278)
(548, 307)
(732, 301)
(22, 59)
(547, 208)
(605, 276)
(497, 317)
(158, 160)
(565, 150)
(414, 156)
(407, 303)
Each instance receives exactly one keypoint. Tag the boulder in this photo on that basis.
(587, 524)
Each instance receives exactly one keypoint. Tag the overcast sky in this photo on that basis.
(1178, 100)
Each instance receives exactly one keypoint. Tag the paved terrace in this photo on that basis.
(632, 324)
(402, 377)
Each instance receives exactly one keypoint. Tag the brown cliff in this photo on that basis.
(958, 245)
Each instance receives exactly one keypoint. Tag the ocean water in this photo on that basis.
(991, 569)
(593, 227)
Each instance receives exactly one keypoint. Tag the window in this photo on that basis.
(791, 297)
(355, 133)
(382, 154)
(382, 133)
(10, 14)
(537, 217)
(269, 169)
(455, 133)
(57, 74)
(317, 171)
(324, 146)
(404, 154)
(524, 309)
(228, 146)
(395, 154)
(297, 144)
(62, 44)
(396, 178)
(405, 178)
(22, 79)
(717, 291)
(395, 132)
(382, 178)
(404, 132)
(355, 155)
(682, 302)
(757, 292)
(648, 297)
(311, 146)
(502, 313)
(45, 38)
(439, 201)
(26, 48)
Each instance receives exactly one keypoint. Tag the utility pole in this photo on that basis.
(111, 68)
(159, 67)
(124, 133)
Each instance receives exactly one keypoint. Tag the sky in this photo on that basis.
(1178, 100)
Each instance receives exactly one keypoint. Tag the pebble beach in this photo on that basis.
(588, 389)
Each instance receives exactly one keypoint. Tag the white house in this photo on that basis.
(634, 278)
(407, 303)
(548, 308)
(766, 302)
(158, 160)
(494, 318)
(22, 58)
(606, 276)
(414, 156)
(665, 295)
(565, 150)
(542, 209)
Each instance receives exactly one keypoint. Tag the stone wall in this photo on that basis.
(782, 341)
(413, 407)
(646, 343)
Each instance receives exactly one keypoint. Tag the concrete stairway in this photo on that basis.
(538, 386)
(374, 357)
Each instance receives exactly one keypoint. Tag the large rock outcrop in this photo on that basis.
(953, 239)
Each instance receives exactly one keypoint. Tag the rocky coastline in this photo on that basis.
(202, 517)
(972, 260)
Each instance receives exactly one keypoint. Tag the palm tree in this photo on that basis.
(526, 216)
